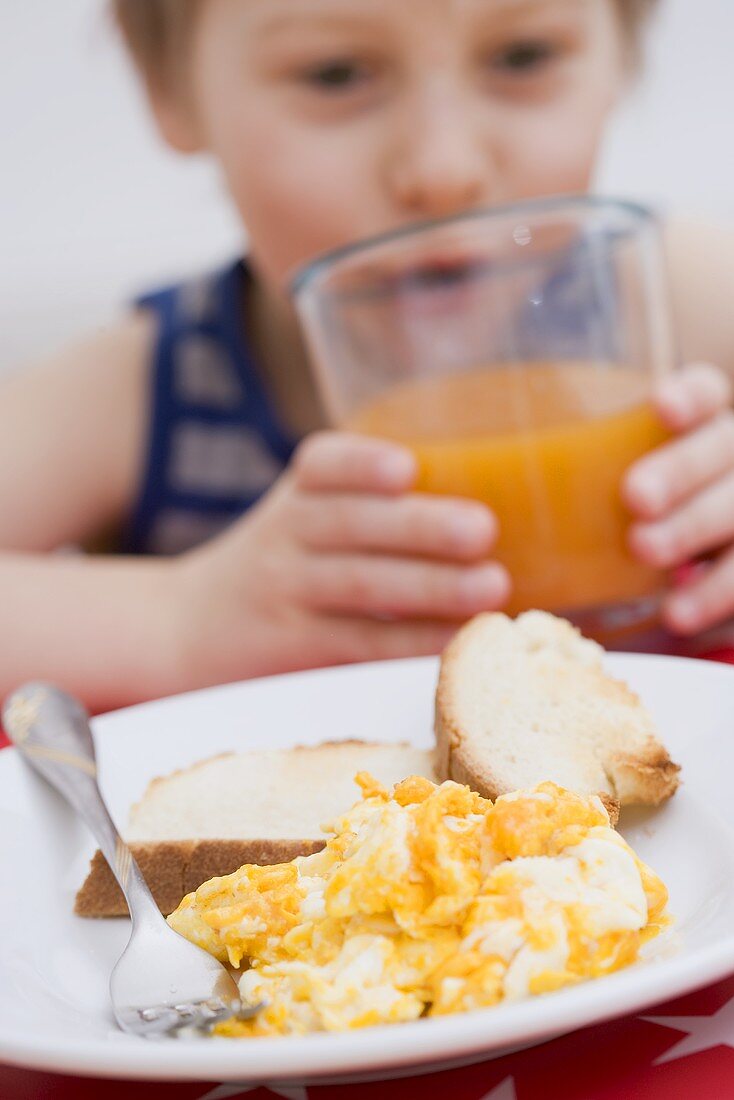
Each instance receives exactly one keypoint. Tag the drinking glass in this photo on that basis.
(513, 350)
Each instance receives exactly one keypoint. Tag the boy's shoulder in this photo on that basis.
(84, 410)
(700, 253)
(697, 235)
(117, 352)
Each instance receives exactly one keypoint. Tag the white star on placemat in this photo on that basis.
(504, 1091)
(226, 1092)
(703, 1032)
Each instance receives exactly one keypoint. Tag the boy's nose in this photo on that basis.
(439, 164)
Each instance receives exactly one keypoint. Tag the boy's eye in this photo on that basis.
(524, 57)
(337, 75)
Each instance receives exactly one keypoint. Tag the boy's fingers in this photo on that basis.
(675, 471)
(414, 524)
(692, 395)
(357, 584)
(342, 461)
(704, 523)
(704, 602)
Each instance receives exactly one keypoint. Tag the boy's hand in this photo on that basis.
(683, 496)
(339, 562)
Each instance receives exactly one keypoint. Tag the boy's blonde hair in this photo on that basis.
(158, 31)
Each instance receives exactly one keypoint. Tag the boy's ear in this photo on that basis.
(175, 117)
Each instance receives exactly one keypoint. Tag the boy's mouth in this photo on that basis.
(426, 277)
(440, 287)
(443, 272)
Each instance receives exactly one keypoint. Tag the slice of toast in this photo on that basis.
(525, 700)
(264, 806)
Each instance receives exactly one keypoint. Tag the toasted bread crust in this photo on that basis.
(173, 868)
(646, 777)
(649, 778)
(454, 756)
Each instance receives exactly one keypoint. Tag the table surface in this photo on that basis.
(682, 1048)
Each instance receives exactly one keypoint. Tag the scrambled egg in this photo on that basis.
(427, 901)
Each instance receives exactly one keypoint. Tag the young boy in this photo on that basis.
(331, 120)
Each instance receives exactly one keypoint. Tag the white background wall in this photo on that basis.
(91, 207)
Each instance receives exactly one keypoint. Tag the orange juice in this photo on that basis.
(545, 445)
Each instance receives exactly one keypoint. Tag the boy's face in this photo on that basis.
(333, 120)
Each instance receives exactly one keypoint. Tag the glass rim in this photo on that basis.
(305, 275)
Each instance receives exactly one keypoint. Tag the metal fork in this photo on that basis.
(161, 982)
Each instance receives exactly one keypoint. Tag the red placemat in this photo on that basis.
(683, 1048)
(680, 1049)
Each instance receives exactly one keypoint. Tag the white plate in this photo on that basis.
(54, 1012)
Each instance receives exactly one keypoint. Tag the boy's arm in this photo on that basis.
(701, 265)
(340, 561)
(104, 628)
(71, 439)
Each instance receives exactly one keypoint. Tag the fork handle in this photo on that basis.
(51, 731)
